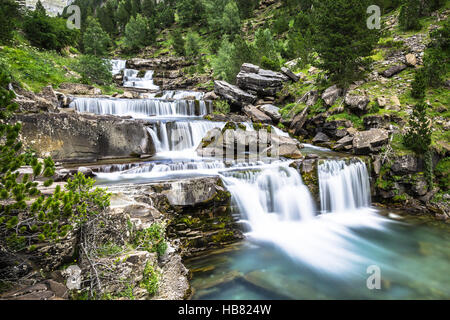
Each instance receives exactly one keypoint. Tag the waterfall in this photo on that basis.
(180, 135)
(343, 186)
(273, 194)
(131, 80)
(142, 108)
(117, 66)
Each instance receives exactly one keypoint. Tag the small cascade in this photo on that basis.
(343, 186)
(180, 135)
(131, 80)
(142, 108)
(271, 195)
(117, 66)
(179, 95)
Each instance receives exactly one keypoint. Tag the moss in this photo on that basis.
(223, 236)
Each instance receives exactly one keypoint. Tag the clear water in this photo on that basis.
(413, 257)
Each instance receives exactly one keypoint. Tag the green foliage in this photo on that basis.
(442, 172)
(47, 218)
(231, 22)
(192, 45)
(418, 137)
(94, 70)
(48, 32)
(95, 40)
(409, 15)
(9, 13)
(189, 11)
(151, 239)
(342, 39)
(419, 85)
(150, 279)
(221, 107)
(178, 42)
(138, 33)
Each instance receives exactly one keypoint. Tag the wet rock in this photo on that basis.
(406, 164)
(46, 290)
(86, 171)
(366, 142)
(233, 93)
(342, 143)
(210, 96)
(321, 138)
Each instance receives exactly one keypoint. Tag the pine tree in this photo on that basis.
(189, 11)
(178, 42)
(122, 14)
(9, 12)
(410, 13)
(342, 38)
(192, 46)
(95, 40)
(231, 22)
(418, 137)
(138, 33)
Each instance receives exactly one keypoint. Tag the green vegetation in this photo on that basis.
(24, 224)
(150, 280)
(94, 70)
(151, 239)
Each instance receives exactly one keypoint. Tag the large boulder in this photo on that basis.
(256, 115)
(84, 138)
(357, 103)
(234, 141)
(331, 94)
(233, 94)
(392, 71)
(272, 111)
(310, 98)
(263, 82)
(366, 142)
(298, 121)
(288, 72)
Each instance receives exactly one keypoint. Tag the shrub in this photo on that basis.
(150, 279)
(221, 107)
(151, 239)
(9, 13)
(94, 70)
(409, 15)
(178, 42)
(418, 137)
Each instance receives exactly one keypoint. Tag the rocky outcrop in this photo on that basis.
(366, 142)
(235, 141)
(357, 103)
(330, 95)
(298, 122)
(84, 138)
(256, 115)
(233, 94)
(263, 82)
(272, 111)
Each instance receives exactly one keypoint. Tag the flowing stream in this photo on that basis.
(295, 247)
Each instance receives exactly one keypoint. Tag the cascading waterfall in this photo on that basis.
(131, 80)
(343, 186)
(117, 66)
(142, 108)
(279, 209)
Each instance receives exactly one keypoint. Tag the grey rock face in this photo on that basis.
(84, 138)
(366, 142)
(233, 93)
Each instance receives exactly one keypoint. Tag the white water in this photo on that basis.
(141, 108)
(117, 66)
(131, 80)
(280, 210)
(343, 187)
(181, 135)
